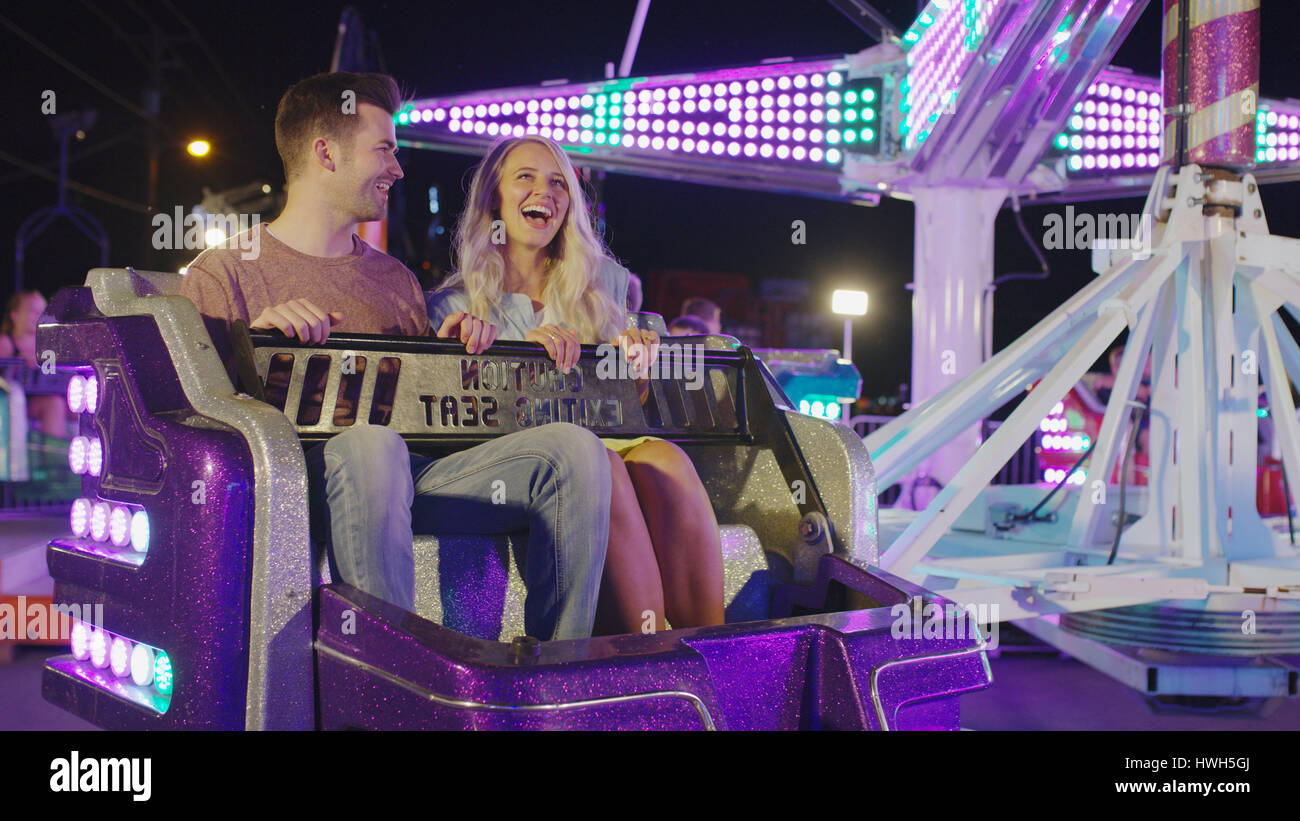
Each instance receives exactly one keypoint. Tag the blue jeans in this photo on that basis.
(553, 481)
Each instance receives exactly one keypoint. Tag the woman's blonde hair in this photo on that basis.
(572, 290)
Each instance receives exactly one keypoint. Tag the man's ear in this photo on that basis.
(323, 153)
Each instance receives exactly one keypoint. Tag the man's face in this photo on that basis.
(366, 166)
(533, 196)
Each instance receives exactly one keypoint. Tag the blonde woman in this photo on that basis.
(530, 266)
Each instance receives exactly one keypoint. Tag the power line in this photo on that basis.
(97, 85)
(97, 147)
(74, 186)
(212, 58)
(121, 34)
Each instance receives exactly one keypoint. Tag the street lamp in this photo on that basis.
(848, 304)
(199, 148)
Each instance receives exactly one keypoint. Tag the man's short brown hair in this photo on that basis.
(701, 307)
(315, 107)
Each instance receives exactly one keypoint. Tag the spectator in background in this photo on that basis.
(634, 292)
(688, 325)
(48, 414)
(705, 309)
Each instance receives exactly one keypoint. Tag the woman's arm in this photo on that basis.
(442, 304)
(614, 279)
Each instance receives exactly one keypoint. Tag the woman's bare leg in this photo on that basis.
(630, 586)
(683, 530)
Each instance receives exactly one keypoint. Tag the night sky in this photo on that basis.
(226, 64)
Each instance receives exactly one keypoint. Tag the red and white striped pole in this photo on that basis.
(1211, 81)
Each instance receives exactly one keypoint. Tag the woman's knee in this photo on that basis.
(661, 457)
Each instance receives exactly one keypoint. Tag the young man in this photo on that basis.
(705, 309)
(310, 274)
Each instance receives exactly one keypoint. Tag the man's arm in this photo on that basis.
(211, 295)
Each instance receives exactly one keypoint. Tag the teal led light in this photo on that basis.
(162, 674)
(1062, 141)
(1261, 412)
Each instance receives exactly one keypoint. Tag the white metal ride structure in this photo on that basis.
(977, 102)
(1202, 300)
(1199, 596)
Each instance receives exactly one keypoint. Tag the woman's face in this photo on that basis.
(533, 194)
(27, 315)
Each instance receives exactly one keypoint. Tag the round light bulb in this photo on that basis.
(119, 657)
(77, 394)
(99, 649)
(142, 665)
(80, 641)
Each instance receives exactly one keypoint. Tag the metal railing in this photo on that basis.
(1020, 469)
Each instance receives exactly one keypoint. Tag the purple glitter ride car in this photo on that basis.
(219, 612)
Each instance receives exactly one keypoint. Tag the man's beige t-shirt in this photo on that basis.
(375, 293)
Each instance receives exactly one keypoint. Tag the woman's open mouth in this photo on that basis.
(537, 215)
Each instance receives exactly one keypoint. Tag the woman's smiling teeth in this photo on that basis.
(537, 214)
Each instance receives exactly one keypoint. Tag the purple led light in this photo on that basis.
(94, 456)
(77, 454)
(120, 657)
(99, 649)
(80, 518)
(80, 640)
(99, 521)
(77, 394)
